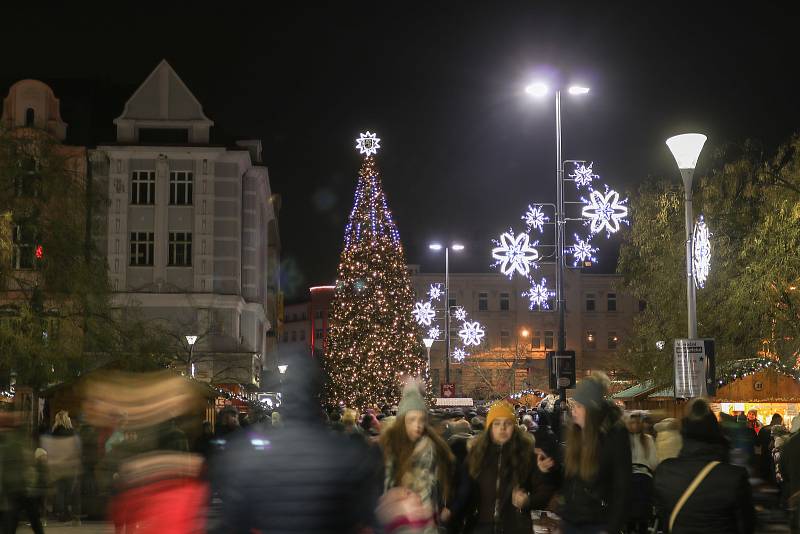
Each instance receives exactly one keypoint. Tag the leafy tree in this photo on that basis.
(751, 302)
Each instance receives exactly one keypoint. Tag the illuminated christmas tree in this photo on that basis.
(373, 343)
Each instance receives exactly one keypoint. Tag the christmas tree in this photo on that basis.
(373, 343)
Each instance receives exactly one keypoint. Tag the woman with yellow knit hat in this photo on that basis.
(505, 478)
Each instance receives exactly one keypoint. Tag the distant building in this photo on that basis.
(306, 323)
(191, 230)
(512, 356)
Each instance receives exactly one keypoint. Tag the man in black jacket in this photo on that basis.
(722, 502)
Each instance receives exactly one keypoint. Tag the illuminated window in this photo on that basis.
(22, 253)
(613, 340)
(505, 339)
(180, 188)
(180, 249)
(591, 339)
(536, 339)
(142, 248)
(548, 339)
(143, 187)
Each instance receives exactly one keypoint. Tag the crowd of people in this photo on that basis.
(402, 469)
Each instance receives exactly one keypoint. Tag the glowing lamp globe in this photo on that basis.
(686, 149)
(428, 342)
(457, 247)
(578, 90)
(537, 89)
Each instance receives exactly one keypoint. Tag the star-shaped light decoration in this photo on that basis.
(539, 295)
(423, 313)
(535, 218)
(459, 354)
(471, 333)
(582, 251)
(583, 175)
(434, 332)
(701, 253)
(515, 254)
(605, 211)
(460, 314)
(435, 292)
(368, 143)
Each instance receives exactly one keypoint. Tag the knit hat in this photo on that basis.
(591, 392)
(499, 409)
(412, 399)
(795, 424)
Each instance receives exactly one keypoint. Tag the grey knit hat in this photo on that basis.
(412, 399)
(590, 393)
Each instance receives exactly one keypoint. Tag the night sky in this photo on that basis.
(465, 149)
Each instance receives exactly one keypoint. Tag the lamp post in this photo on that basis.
(191, 340)
(457, 248)
(428, 344)
(686, 149)
(524, 333)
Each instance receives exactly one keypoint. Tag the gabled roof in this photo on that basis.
(163, 97)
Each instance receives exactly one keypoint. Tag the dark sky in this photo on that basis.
(442, 83)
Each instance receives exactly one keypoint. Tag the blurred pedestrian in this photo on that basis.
(598, 463)
(645, 461)
(790, 472)
(700, 491)
(23, 479)
(63, 448)
(668, 438)
(766, 442)
(417, 479)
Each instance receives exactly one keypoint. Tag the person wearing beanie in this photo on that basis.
(504, 477)
(598, 462)
(722, 502)
(417, 475)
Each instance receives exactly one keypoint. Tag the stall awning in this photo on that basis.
(635, 391)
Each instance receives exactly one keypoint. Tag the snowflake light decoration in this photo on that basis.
(605, 211)
(471, 333)
(515, 254)
(535, 218)
(423, 313)
(582, 250)
(435, 292)
(583, 175)
(460, 314)
(701, 253)
(434, 332)
(459, 354)
(368, 143)
(539, 295)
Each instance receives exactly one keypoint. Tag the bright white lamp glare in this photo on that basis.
(578, 90)
(282, 368)
(536, 89)
(428, 342)
(686, 149)
(191, 339)
(457, 246)
(435, 246)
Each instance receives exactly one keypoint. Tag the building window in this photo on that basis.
(548, 339)
(590, 303)
(318, 314)
(302, 335)
(294, 336)
(451, 302)
(613, 340)
(536, 339)
(505, 339)
(591, 339)
(22, 253)
(612, 302)
(483, 301)
(180, 188)
(504, 302)
(142, 245)
(143, 187)
(318, 333)
(30, 117)
(180, 249)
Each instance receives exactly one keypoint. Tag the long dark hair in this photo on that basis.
(399, 448)
(583, 446)
(518, 450)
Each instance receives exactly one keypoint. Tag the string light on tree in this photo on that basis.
(535, 218)
(582, 251)
(368, 143)
(605, 211)
(701, 252)
(583, 175)
(471, 333)
(435, 292)
(515, 253)
(539, 295)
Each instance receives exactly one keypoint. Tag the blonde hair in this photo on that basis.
(62, 419)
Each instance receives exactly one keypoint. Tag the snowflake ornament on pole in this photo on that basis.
(539, 295)
(471, 333)
(459, 354)
(583, 175)
(605, 211)
(701, 253)
(515, 254)
(435, 292)
(535, 218)
(423, 313)
(582, 251)
(460, 314)
(434, 332)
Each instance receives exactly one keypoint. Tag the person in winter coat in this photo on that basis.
(765, 445)
(505, 478)
(722, 502)
(63, 448)
(643, 456)
(597, 479)
(417, 470)
(668, 439)
(790, 472)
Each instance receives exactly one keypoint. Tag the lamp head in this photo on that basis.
(428, 342)
(435, 246)
(578, 90)
(191, 340)
(282, 368)
(537, 89)
(457, 246)
(686, 149)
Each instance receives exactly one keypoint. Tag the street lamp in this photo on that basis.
(282, 368)
(524, 333)
(191, 340)
(686, 149)
(428, 344)
(540, 89)
(457, 247)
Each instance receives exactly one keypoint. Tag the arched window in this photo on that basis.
(30, 115)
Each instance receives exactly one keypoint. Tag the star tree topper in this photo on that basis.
(368, 143)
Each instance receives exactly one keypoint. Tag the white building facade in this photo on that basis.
(191, 232)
